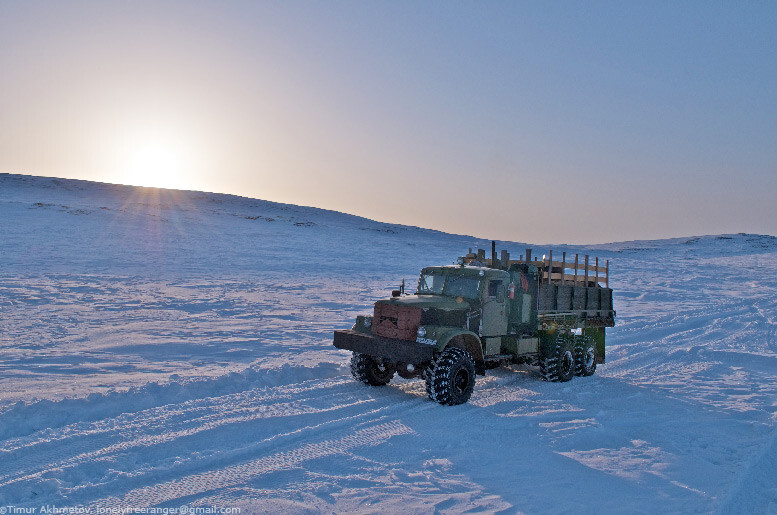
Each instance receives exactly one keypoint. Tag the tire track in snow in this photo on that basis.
(159, 417)
(28, 458)
(771, 323)
(87, 460)
(755, 490)
(680, 345)
(23, 419)
(238, 474)
(300, 434)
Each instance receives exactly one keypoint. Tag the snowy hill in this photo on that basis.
(166, 348)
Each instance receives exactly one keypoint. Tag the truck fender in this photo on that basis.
(465, 340)
(597, 334)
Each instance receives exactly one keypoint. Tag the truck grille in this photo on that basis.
(391, 321)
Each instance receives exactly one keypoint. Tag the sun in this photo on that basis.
(153, 152)
(155, 164)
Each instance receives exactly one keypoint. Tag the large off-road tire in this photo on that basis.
(559, 366)
(450, 378)
(585, 356)
(369, 371)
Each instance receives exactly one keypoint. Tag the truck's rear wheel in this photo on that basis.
(450, 378)
(370, 371)
(559, 366)
(585, 356)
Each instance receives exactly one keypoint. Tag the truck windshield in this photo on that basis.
(461, 286)
(430, 284)
(455, 286)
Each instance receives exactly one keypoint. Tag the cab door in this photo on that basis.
(494, 318)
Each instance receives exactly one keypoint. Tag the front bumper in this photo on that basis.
(397, 351)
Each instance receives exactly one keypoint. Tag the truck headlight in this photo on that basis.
(422, 331)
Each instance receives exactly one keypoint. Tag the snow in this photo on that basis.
(166, 348)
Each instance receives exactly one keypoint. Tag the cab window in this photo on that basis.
(496, 290)
(431, 284)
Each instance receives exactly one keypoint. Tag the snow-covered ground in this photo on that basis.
(168, 349)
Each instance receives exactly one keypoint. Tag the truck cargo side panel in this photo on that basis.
(592, 298)
(606, 299)
(564, 298)
(578, 298)
(546, 297)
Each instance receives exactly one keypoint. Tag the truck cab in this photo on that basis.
(480, 292)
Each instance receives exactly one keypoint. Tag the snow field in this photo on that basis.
(164, 349)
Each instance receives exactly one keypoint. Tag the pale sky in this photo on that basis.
(544, 122)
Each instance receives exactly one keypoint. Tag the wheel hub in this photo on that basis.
(460, 380)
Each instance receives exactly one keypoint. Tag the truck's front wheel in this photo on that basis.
(450, 378)
(368, 370)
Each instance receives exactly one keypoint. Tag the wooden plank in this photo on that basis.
(550, 270)
(560, 278)
(571, 266)
(550, 265)
(575, 268)
(563, 267)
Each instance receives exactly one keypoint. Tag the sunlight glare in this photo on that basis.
(155, 165)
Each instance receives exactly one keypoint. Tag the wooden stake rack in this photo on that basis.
(580, 271)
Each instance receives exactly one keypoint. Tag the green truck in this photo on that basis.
(482, 313)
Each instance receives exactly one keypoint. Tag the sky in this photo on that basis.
(546, 122)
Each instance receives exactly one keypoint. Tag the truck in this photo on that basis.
(479, 314)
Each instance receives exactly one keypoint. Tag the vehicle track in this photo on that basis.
(239, 473)
(84, 462)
